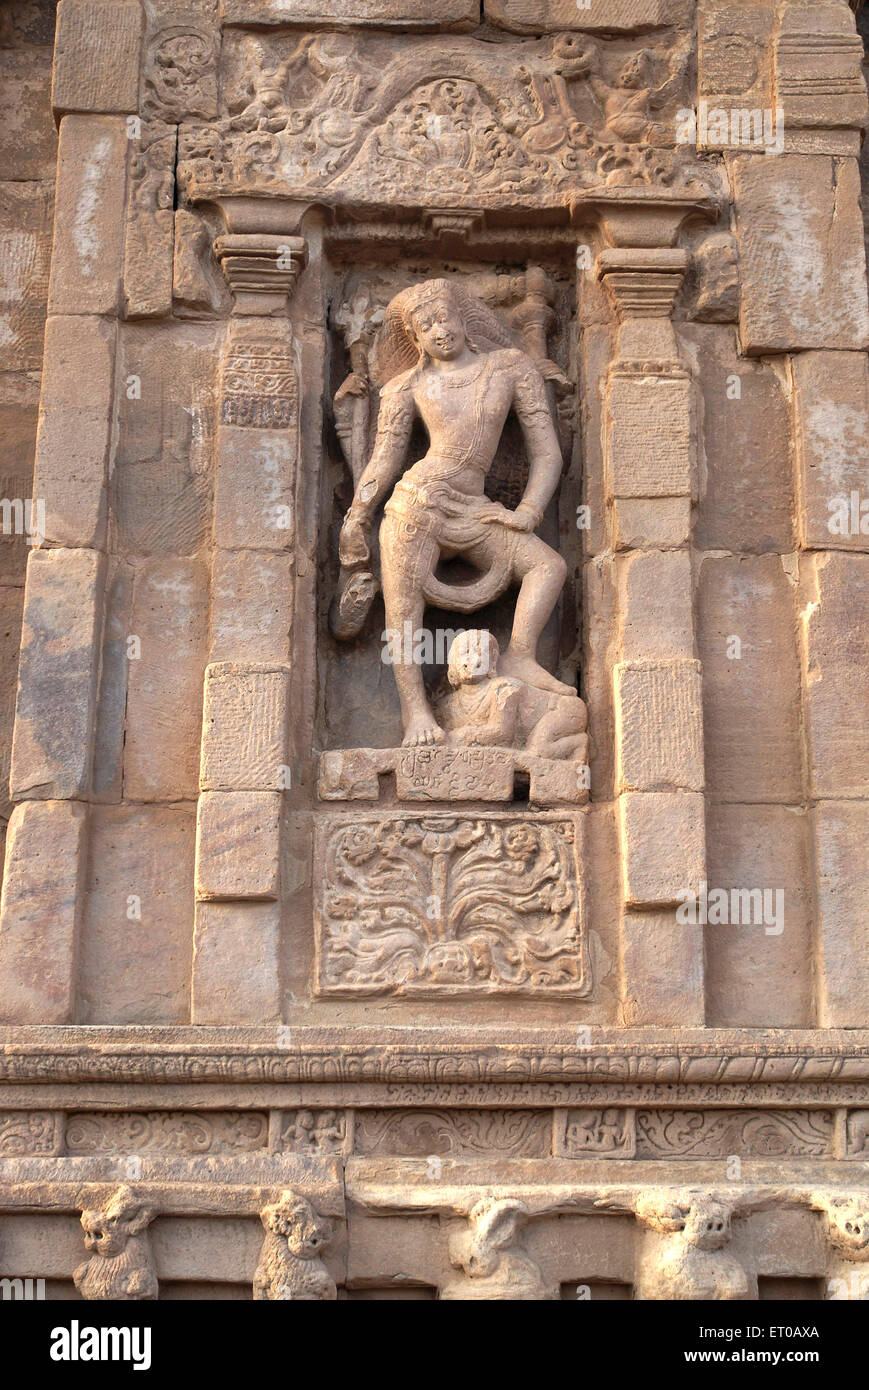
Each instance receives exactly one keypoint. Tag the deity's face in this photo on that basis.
(438, 328)
(635, 71)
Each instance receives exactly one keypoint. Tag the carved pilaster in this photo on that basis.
(650, 466)
(247, 691)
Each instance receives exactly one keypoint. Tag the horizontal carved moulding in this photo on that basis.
(450, 905)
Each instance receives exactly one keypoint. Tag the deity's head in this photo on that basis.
(433, 318)
(472, 657)
(635, 72)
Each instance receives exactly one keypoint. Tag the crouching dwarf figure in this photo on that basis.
(485, 707)
(446, 361)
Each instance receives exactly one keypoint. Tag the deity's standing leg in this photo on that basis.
(405, 609)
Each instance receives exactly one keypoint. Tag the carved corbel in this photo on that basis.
(684, 1255)
(489, 1252)
(847, 1222)
(120, 1265)
(290, 1267)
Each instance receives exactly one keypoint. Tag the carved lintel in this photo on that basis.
(262, 269)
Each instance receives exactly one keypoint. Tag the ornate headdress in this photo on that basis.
(396, 350)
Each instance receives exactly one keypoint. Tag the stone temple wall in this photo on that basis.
(539, 993)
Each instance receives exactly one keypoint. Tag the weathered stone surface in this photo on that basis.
(747, 643)
(650, 444)
(647, 523)
(89, 216)
(801, 251)
(759, 935)
(165, 673)
(831, 426)
(663, 846)
(659, 726)
(236, 963)
(840, 834)
(252, 601)
(539, 16)
(237, 845)
(150, 223)
(437, 14)
(244, 732)
(25, 254)
(75, 429)
(28, 139)
(835, 628)
(818, 76)
(41, 906)
(662, 964)
(54, 714)
(96, 56)
(746, 503)
(136, 937)
(408, 976)
(655, 603)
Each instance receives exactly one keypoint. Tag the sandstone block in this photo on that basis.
(236, 968)
(746, 636)
(96, 56)
(252, 603)
(801, 252)
(244, 733)
(662, 966)
(818, 67)
(831, 410)
(25, 250)
(137, 930)
(655, 601)
(164, 701)
(42, 883)
(89, 216)
(663, 846)
(54, 717)
(404, 14)
(646, 523)
(841, 832)
(659, 726)
(759, 933)
(74, 438)
(650, 439)
(835, 625)
(238, 845)
(28, 139)
(734, 38)
(746, 503)
(542, 16)
(254, 506)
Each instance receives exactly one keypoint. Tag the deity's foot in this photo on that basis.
(524, 668)
(422, 730)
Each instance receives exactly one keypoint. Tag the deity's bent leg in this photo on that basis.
(541, 572)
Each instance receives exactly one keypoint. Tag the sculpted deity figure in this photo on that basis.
(445, 360)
